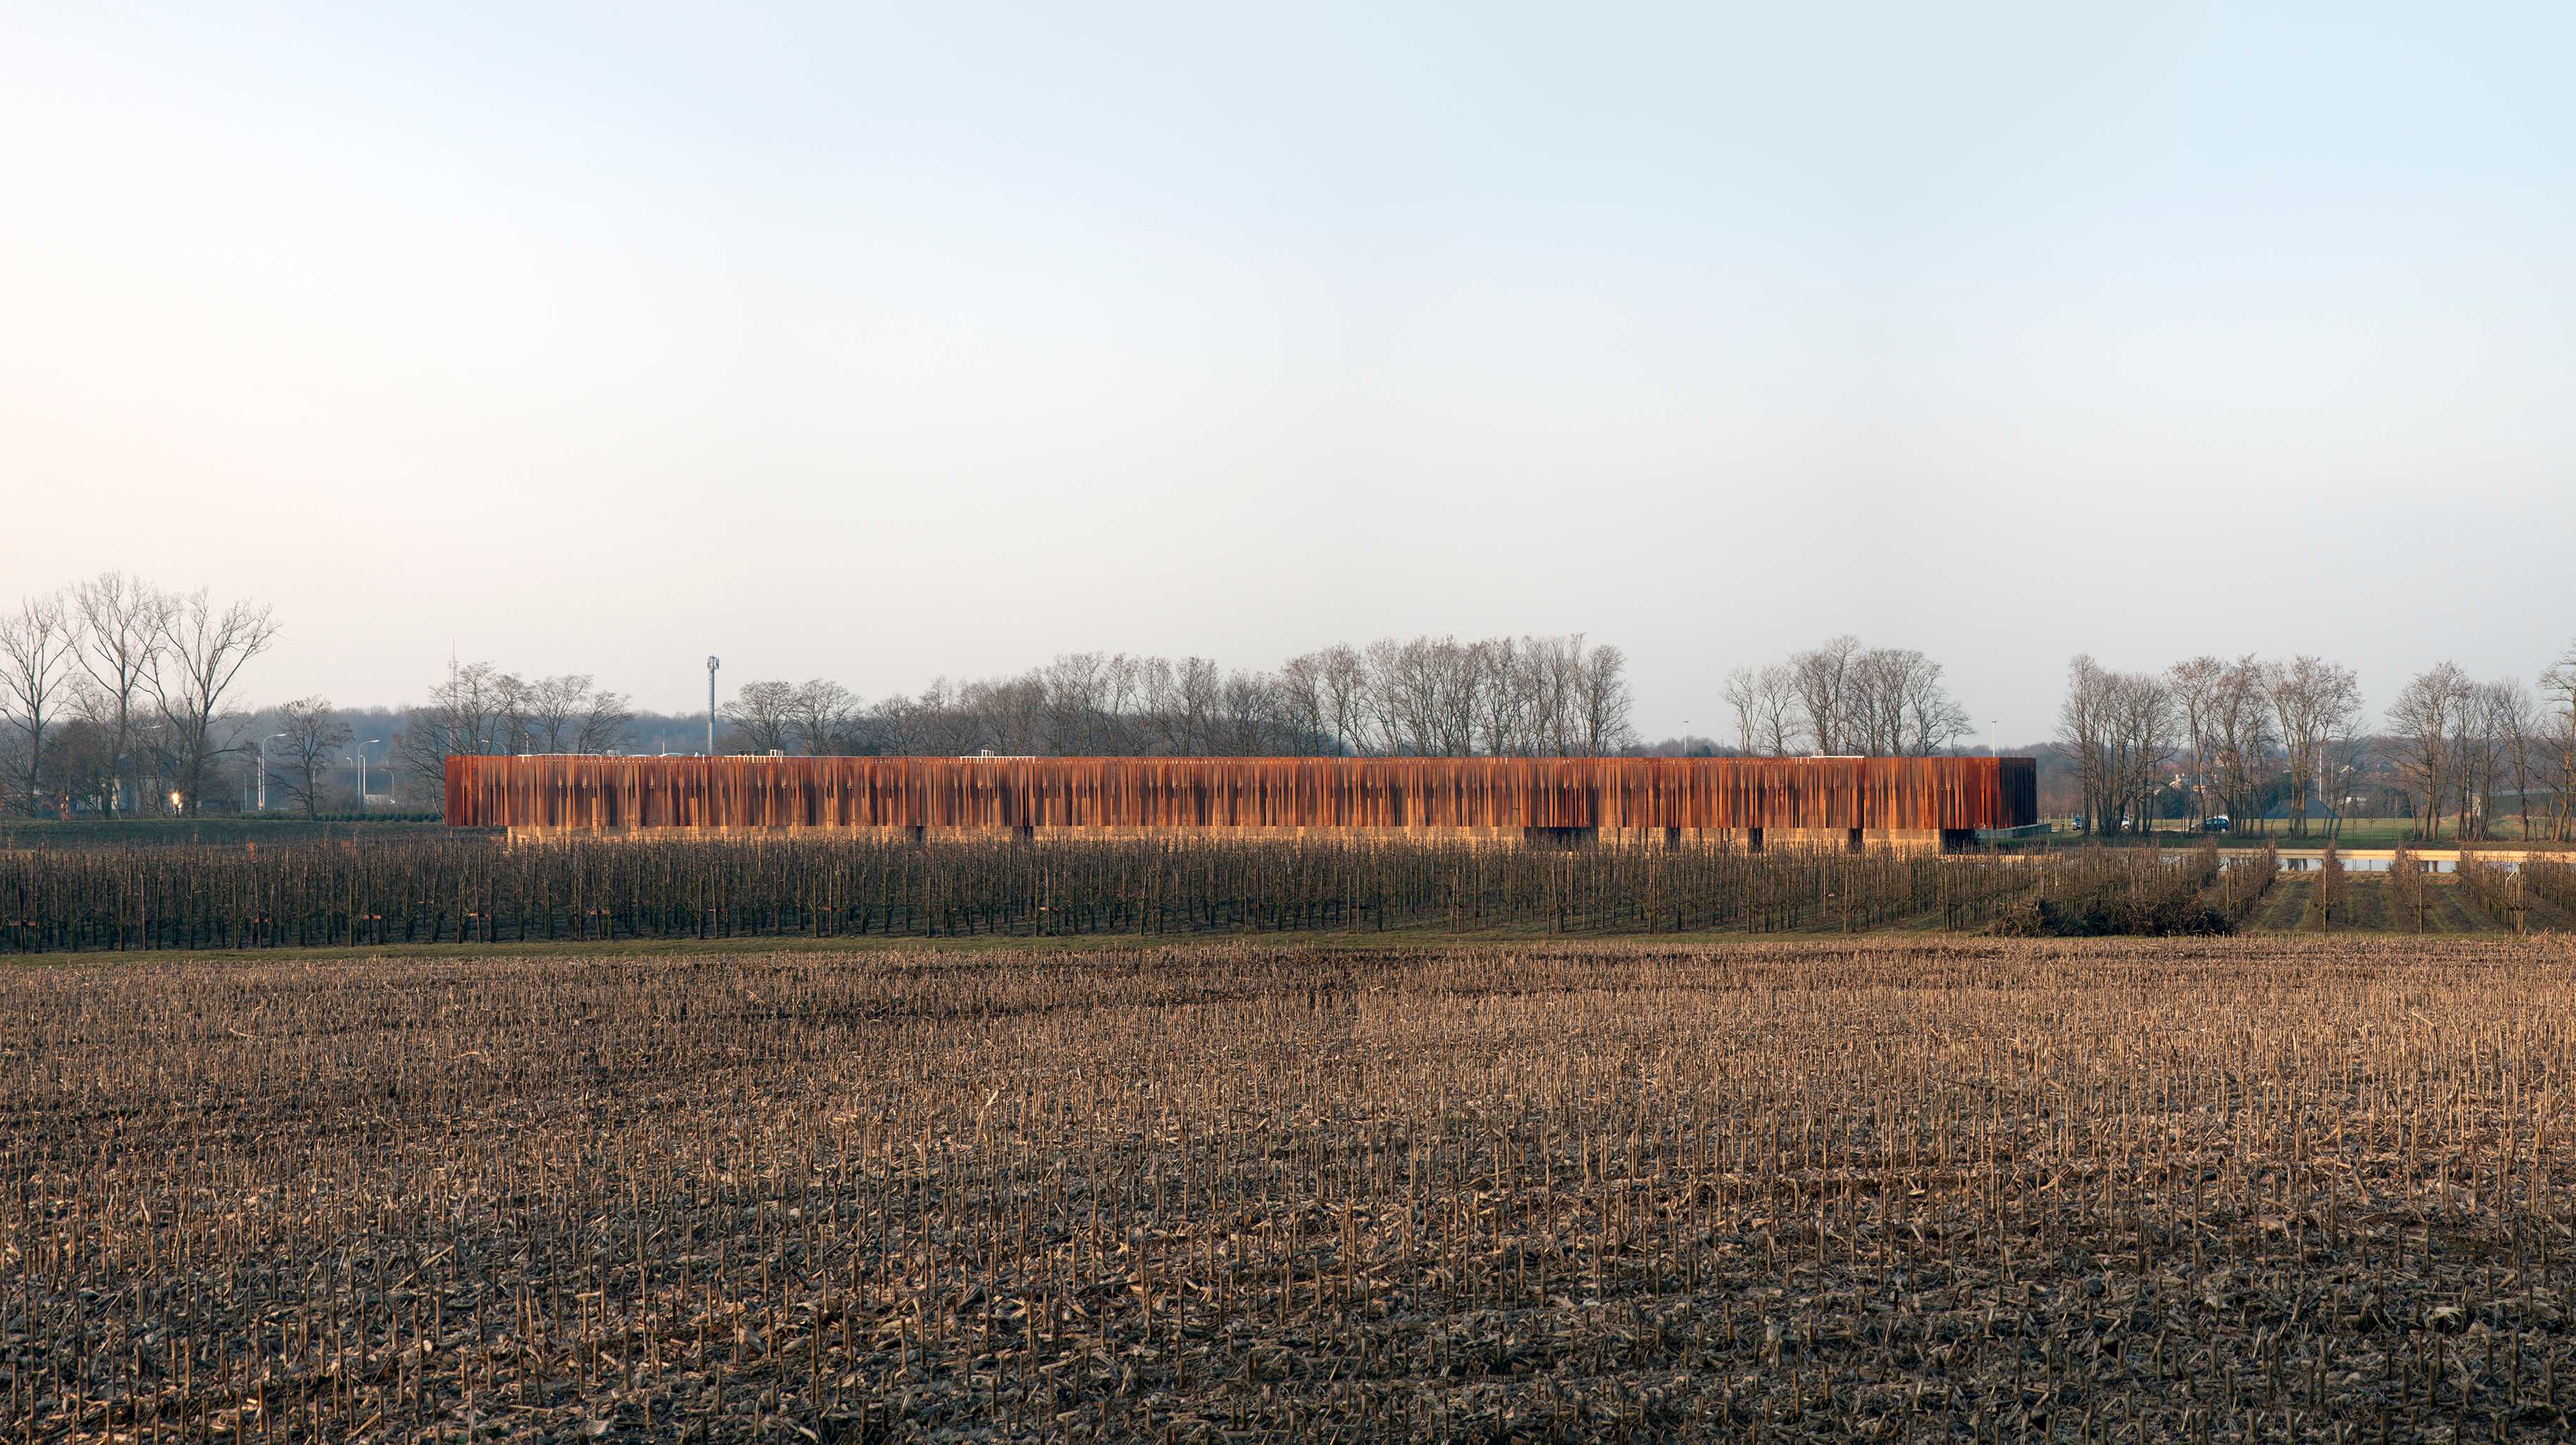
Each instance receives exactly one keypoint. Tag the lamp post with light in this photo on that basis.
(362, 773)
(263, 769)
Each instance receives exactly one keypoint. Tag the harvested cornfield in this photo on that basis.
(2234, 1189)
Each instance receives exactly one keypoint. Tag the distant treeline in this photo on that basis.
(2213, 736)
(1423, 697)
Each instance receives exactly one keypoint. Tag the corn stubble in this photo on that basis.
(2228, 1189)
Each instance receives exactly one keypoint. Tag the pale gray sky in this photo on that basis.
(875, 342)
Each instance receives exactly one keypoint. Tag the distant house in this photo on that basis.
(2311, 809)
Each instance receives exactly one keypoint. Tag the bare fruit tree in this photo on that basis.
(120, 641)
(312, 735)
(36, 646)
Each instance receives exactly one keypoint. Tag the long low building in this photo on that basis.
(1751, 802)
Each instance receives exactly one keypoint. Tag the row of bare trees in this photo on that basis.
(1423, 697)
(481, 708)
(119, 694)
(1843, 698)
(2459, 743)
(2226, 732)
(2216, 729)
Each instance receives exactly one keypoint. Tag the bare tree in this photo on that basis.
(82, 762)
(1873, 721)
(2517, 721)
(2559, 682)
(313, 734)
(2195, 686)
(820, 717)
(1898, 706)
(2239, 724)
(762, 715)
(1200, 697)
(934, 724)
(1010, 712)
(2483, 743)
(1556, 687)
(473, 711)
(120, 640)
(1248, 719)
(2422, 723)
(1502, 689)
(1181, 704)
(1744, 698)
(1934, 720)
(2313, 701)
(2347, 755)
(1824, 692)
(1080, 717)
(1305, 703)
(203, 649)
(604, 719)
(1404, 696)
(2141, 736)
(36, 646)
(1605, 701)
(1457, 679)
(555, 713)
(2084, 736)
(1345, 674)
(1765, 701)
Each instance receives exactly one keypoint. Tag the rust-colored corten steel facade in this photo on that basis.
(1563, 799)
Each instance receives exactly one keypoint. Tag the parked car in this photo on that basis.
(2216, 823)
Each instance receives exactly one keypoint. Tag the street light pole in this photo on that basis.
(711, 706)
(362, 773)
(263, 770)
